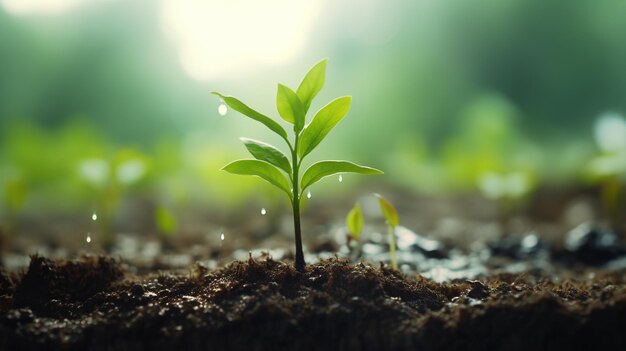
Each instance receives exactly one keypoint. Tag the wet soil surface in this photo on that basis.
(94, 303)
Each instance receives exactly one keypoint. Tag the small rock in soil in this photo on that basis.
(592, 245)
(529, 246)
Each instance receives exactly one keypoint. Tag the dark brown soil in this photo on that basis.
(94, 304)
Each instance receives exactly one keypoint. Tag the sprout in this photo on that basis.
(391, 215)
(283, 171)
(354, 222)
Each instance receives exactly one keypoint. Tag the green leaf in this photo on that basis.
(165, 220)
(239, 106)
(268, 153)
(323, 122)
(389, 211)
(323, 169)
(354, 221)
(260, 169)
(312, 84)
(290, 107)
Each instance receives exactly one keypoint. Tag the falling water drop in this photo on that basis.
(340, 178)
(308, 194)
(222, 237)
(263, 211)
(88, 239)
(222, 109)
(94, 216)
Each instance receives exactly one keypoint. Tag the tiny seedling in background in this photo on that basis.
(272, 165)
(166, 223)
(354, 223)
(391, 215)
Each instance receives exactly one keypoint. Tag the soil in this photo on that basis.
(95, 303)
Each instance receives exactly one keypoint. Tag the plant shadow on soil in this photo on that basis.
(93, 303)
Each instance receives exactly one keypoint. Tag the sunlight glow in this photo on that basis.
(44, 7)
(225, 38)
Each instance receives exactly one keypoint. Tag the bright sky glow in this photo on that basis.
(42, 7)
(225, 38)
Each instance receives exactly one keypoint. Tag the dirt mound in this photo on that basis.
(91, 304)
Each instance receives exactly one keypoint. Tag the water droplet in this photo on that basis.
(222, 237)
(263, 211)
(222, 109)
(340, 178)
(94, 216)
(88, 239)
(308, 194)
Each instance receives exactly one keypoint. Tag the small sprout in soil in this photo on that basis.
(391, 215)
(354, 222)
(165, 221)
(272, 165)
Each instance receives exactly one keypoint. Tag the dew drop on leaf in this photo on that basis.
(222, 237)
(88, 239)
(222, 109)
(308, 194)
(263, 212)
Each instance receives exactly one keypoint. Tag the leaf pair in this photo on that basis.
(268, 172)
(293, 106)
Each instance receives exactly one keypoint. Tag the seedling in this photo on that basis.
(391, 215)
(354, 223)
(272, 165)
(166, 223)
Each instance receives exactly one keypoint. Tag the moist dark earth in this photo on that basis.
(94, 303)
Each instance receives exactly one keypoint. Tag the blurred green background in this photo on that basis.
(102, 100)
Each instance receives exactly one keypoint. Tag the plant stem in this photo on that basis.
(392, 247)
(296, 208)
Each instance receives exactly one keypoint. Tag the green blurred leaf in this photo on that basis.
(260, 169)
(323, 169)
(15, 192)
(389, 211)
(239, 106)
(268, 153)
(354, 221)
(290, 107)
(312, 83)
(323, 122)
(165, 220)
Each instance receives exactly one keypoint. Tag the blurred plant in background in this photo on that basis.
(608, 167)
(456, 97)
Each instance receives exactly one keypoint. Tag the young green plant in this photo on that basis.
(354, 223)
(283, 171)
(391, 215)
